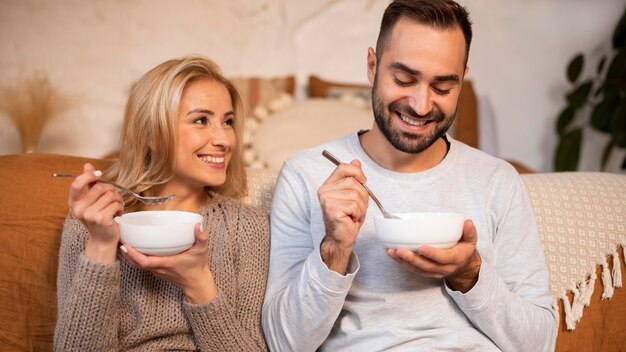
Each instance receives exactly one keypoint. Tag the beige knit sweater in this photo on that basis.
(116, 307)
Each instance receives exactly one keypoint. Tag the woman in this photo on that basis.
(181, 133)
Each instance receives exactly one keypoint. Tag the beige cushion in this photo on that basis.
(305, 124)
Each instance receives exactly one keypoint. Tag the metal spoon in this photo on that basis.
(336, 161)
(146, 200)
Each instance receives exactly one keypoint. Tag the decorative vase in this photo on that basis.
(30, 104)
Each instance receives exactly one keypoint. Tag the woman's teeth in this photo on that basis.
(212, 159)
(411, 121)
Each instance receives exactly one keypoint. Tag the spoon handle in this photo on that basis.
(336, 161)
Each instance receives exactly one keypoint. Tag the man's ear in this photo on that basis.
(371, 65)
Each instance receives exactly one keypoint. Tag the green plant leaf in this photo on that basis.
(575, 67)
(605, 112)
(619, 35)
(568, 151)
(599, 90)
(617, 69)
(601, 65)
(565, 117)
(607, 154)
(578, 97)
(619, 125)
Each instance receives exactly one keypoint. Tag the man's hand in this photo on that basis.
(344, 203)
(459, 265)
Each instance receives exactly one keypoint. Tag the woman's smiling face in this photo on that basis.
(206, 138)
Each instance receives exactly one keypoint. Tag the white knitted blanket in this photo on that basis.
(581, 218)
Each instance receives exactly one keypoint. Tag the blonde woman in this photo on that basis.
(181, 133)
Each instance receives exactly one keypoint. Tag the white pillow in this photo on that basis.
(305, 124)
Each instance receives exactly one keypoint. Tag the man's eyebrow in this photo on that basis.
(402, 67)
(447, 78)
(405, 68)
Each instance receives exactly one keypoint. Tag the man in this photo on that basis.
(332, 285)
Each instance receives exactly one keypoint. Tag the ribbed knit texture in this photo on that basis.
(116, 307)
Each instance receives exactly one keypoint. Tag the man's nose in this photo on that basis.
(421, 100)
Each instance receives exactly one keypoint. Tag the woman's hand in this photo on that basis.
(95, 205)
(188, 270)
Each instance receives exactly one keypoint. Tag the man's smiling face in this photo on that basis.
(416, 84)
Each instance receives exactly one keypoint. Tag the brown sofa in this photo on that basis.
(33, 206)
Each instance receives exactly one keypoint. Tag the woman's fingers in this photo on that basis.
(83, 180)
(94, 200)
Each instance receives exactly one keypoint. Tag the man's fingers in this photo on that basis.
(347, 170)
(469, 232)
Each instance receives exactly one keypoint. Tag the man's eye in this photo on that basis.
(402, 83)
(441, 91)
(201, 120)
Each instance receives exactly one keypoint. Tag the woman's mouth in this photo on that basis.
(213, 160)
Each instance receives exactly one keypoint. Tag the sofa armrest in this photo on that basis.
(581, 218)
(33, 207)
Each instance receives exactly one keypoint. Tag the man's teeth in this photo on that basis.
(212, 159)
(411, 121)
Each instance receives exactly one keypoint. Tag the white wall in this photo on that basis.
(93, 50)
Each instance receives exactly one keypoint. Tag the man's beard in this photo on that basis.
(405, 141)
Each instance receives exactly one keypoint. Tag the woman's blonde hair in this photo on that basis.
(148, 139)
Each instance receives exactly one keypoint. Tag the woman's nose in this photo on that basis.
(219, 136)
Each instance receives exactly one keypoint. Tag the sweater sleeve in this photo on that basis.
(303, 297)
(234, 323)
(87, 296)
(511, 302)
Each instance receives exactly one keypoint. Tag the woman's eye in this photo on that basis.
(201, 120)
(229, 121)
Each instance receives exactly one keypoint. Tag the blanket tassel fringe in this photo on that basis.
(611, 279)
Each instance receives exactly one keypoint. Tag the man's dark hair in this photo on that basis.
(439, 14)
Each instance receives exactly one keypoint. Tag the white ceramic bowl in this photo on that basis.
(158, 232)
(439, 230)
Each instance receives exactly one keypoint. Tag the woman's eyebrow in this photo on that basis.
(203, 111)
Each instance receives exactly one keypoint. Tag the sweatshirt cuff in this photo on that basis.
(328, 280)
(478, 296)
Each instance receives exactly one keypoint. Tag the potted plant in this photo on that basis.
(600, 101)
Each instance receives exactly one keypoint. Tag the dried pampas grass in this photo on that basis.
(30, 104)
